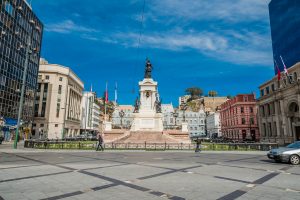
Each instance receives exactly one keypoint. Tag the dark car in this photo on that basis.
(290, 153)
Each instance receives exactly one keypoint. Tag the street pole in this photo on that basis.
(22, 91)
(86, 105)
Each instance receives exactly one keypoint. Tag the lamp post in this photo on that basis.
(121, 114)
(28, 52)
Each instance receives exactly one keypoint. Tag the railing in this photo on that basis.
(90, 145)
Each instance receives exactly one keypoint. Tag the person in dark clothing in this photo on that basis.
(100, 142)
(198, 145)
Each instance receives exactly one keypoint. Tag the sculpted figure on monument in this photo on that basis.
(157, 105)
(136, 105)
(148, 69)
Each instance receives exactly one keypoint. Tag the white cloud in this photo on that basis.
(232, 46)
(228, 10)
(68, 26)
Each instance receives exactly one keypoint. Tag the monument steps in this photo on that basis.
(149, 137)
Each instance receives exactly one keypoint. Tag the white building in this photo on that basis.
(127, 118)
(58, 102)
(90, 120)
(213, 125)
(195, 120)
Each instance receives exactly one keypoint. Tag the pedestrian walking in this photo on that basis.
(100, 142)
(198, 145)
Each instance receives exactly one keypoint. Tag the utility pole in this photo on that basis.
(27, 53)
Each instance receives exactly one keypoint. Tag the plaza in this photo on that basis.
(67, 174)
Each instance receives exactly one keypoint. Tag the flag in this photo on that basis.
(106, 94)
(116, 93)
(285, 69)
(278, 71)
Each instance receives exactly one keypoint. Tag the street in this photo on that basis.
(61, 174)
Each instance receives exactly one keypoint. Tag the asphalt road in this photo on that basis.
(121, 175)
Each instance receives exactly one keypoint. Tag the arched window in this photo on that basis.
(295, 76)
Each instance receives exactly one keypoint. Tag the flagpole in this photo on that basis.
(105, 103)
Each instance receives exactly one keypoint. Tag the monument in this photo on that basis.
(147, 125)
(147, 113)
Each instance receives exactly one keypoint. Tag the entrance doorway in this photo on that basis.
(297, 134)
(244, 134)
(253, 136)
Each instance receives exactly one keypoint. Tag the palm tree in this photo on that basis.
(212, 93)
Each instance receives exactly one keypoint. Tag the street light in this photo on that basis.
(28, 52)
(121, 114)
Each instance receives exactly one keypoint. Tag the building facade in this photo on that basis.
(20, 33)
(126, 119)
(211, 104)
(90, 113)
(58, 102)
(284, 13)
(239, 118)
(213, 125)
(279, 115)
(173, 118)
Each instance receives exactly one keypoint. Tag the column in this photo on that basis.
(284, 118)
(278, 134)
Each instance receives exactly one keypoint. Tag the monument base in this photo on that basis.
(107, 126)
(149, 122)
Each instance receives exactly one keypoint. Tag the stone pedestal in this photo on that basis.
(147, 119)
(184, 127)
(107, 126)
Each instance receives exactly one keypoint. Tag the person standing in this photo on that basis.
(100, 142)
(198, 145)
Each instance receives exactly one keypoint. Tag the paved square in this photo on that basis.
(62, 174)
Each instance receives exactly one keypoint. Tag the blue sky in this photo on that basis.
(215, 45)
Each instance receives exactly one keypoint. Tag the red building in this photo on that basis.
(238, 118)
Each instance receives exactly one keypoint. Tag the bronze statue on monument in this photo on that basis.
(148, 69)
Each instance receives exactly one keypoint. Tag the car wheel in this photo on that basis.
(294, 159)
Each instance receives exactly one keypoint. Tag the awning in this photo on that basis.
(10, 121)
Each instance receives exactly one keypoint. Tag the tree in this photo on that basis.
(195, 92)
(229, 97)
(212, 93)
(110, 107)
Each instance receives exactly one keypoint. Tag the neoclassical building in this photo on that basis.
(279, 115)
(57, 111)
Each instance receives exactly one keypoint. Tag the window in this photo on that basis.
(245, 98)
(273, 87)
(251, 109)
(59, 89)
(43, 109)
(42, 125)
(242, 109)
(57, 109)
(262, 92)
(9, 8)
(56, 125)
(243, 121)
(268, 90)
(47, 77)
(60, 78)
(251, 121)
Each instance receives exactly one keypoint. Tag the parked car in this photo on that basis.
(290, 153)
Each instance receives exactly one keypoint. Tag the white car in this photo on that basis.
(290, 153)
